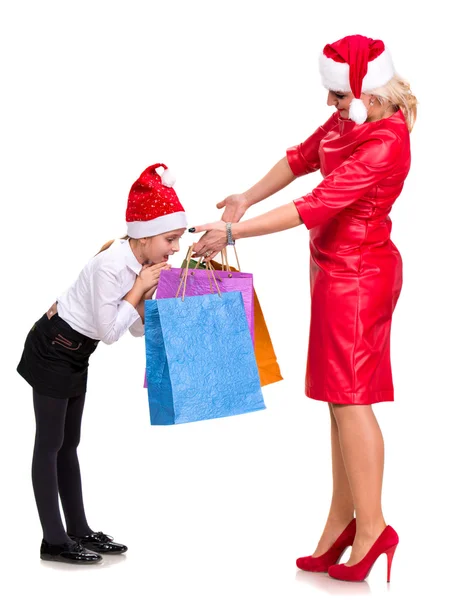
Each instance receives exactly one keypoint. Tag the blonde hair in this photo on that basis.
(397, 92)
(107, 245)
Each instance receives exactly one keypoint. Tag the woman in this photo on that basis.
(106, 300)
(363, 152)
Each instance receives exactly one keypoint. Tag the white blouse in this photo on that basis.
(94, 304)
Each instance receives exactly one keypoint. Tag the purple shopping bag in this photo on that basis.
(199, 282)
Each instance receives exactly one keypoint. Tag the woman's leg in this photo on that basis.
(69, 474)
(362, 448)
(50, 416)
(342, 508)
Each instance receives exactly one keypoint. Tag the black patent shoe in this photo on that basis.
(99, 542)
(70, 552)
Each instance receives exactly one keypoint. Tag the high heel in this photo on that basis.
(321, 564)
(386, 543)
(390, 552)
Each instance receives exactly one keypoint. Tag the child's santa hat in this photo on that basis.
(153, 206)
(356, 64)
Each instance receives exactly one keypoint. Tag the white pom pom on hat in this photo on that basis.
(168, 179)
(356, 64)
(357, 111)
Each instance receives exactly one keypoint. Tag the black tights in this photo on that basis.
(55, 467)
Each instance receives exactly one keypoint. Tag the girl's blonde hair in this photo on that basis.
(397, 93)
(107, 245)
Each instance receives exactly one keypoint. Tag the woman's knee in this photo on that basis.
(332, 414)
(350, 412)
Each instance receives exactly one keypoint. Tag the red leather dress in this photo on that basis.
(356, 270)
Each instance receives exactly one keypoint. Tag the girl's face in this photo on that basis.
(159, 248)
(342, 101)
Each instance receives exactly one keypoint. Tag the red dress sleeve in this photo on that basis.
(304, 158)
(372, 161)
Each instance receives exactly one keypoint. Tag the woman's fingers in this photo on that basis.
(200, 228)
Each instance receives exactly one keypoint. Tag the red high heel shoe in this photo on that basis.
(386, 543)
(321, 564)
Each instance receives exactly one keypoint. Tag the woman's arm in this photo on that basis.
(279, 219)
(299, 160)
(371, 162)
(279, 176)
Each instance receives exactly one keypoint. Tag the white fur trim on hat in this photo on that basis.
(170, 222)
(168, 179)
(335, 75)
(357, 111)
(379, 72)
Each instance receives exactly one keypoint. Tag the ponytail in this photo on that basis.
(397, 92)
(107, 245)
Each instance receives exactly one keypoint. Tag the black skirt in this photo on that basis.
(55, 358)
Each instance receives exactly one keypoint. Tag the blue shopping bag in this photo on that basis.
(200, 359)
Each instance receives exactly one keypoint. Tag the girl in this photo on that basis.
(363, 152)
(105, 301)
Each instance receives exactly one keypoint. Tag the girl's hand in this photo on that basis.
(235, 206)
(148, 295)
(149, 276)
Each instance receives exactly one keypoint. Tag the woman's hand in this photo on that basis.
(212, 242)
(235, 206)
(279, 219)
(215, 239)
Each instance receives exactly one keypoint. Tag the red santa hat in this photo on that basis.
(356, 64)
(153, 206)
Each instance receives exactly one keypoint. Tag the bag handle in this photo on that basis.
(225, 259)
(210, 268)
(184, 276)
(184, 273)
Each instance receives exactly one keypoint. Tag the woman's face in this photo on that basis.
(342, 101)
(159, 248)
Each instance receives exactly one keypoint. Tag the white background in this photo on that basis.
(94, 92)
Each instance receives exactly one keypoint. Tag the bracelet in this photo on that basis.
(230, 240)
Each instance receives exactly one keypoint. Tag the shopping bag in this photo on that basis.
(269, 370)
(200, 361)
(200, 282)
